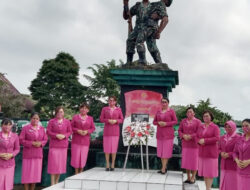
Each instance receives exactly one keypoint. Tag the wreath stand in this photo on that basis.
(147, 160)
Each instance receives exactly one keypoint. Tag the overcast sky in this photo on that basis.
(207, 41)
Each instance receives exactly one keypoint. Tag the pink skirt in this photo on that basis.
(110, 144)
(32, 170)
(165, 148)
(57, 160)
(79, 155)
(190, 158)
(208, 167)
(7, 178)
(243, 182)
(228, 180)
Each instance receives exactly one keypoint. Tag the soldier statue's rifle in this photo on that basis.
(127, 14)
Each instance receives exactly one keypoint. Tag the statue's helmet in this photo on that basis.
(169, 2)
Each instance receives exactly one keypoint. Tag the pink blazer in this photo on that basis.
(9, 146)
(54, 128)
(242, 152)
(111, 130)
(26, 138)
(228, 147)
(166, 132)
(78, 124)
(211, 135)
(190, 129)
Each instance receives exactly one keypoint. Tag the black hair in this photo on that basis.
(33, 114)
(114, 97)
(246, 120)
(210, 113)
(58, 109)
(6, 121)
(189, 108)
(165, 98)
(84, 105)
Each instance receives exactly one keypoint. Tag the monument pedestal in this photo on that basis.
(141, 91)
(162, 81)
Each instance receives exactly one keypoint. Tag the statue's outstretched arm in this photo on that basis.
(163, 24)
(126, 13)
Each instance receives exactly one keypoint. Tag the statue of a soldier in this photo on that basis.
(146, 28)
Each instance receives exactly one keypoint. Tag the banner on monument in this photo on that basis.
(141, 105)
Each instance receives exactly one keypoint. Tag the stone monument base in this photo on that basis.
(129, 179)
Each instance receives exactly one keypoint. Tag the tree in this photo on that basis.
(13, 105)
(57, 84)
(180, 111)
(220, 117)
(102, 85)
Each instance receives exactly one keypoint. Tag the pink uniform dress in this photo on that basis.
(209, 152)
(80, 144)
(165, 135)
(242, 152)
(111, 131)
(32, 156)
(228, 173)
(8, 144)
(57, 158)
(190, 149)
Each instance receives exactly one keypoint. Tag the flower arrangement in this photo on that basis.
(138, 133)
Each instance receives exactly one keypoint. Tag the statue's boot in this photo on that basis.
(142, 58)
(130, 58)
(156, 56)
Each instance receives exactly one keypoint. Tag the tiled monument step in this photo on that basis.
(129, 179)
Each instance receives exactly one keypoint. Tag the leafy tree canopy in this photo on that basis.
(220, 117)
(102, 85)
(57, 84)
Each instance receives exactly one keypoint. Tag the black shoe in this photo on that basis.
(142, 58)
(112, 169)
(107, 169)
(130, 58)
(187, 181)
(160, 172)
(156, 56)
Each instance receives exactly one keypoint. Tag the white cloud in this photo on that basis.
(206, 41)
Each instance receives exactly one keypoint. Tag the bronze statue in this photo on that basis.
(146, 28)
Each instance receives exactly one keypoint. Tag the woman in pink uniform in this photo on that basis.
(33, 138)
(208, 136)
(165, 119)
(228, 166)
(82, 126)
(242, 157)
(190, 151)
(58, 130)
(9, 148)
(111, 116)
